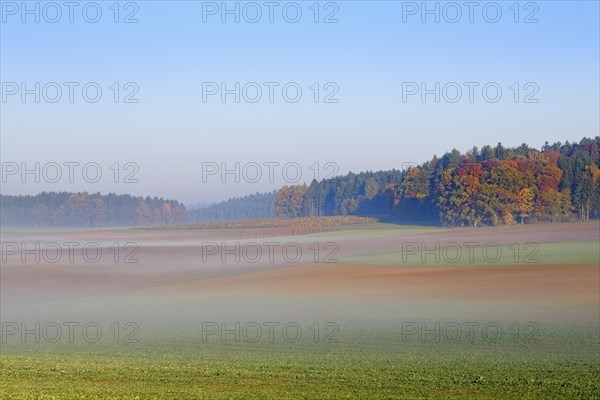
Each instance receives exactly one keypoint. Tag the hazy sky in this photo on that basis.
(373, 61)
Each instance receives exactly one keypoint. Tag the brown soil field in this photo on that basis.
(519, 282)
(550, 293)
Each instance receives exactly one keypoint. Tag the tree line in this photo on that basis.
(250, 207)
(487, 186)
(64, 209)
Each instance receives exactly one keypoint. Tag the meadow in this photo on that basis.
(189, 320)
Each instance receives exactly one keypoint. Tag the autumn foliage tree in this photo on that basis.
(492, 186)
(288, 201)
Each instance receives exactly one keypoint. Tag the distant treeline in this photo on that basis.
(63, 209)
(487, 186)
(254, 206)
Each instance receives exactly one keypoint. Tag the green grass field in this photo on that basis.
(366, 362)
(536, 253)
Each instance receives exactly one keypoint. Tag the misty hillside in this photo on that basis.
(253, 206)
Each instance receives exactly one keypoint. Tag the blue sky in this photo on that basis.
(369, 55)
